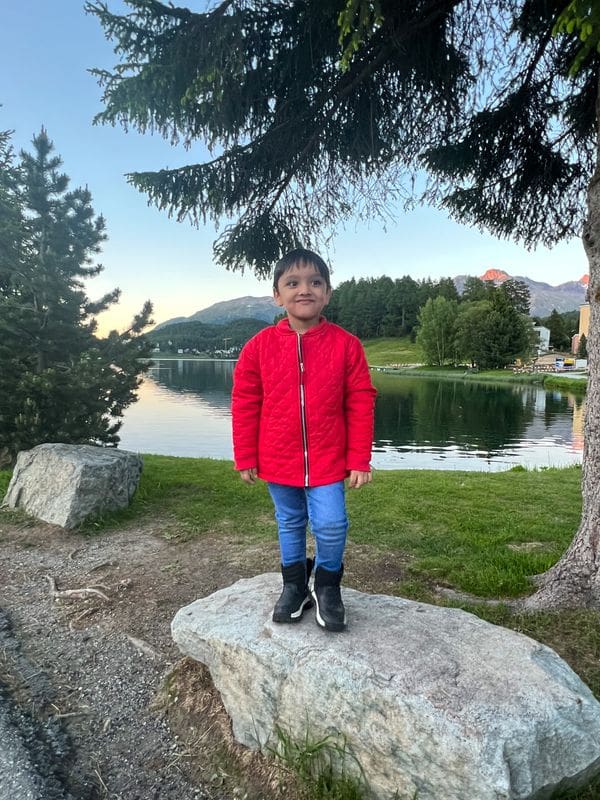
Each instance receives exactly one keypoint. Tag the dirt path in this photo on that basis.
(84, 674)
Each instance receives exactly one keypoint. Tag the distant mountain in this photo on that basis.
(173, 321)
(262, 308)
(544, 297)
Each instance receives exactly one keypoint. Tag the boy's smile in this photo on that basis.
(303, 292)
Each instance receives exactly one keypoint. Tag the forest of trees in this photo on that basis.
(373, 307)
(486, 326)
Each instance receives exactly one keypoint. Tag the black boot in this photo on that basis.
(295, 596)
(330, 612)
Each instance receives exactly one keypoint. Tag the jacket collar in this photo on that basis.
(283, 326)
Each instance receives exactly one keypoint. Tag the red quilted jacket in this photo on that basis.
(302, 405)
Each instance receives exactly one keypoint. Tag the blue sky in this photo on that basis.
(46, 49)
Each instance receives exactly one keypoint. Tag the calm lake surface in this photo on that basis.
(420, 423)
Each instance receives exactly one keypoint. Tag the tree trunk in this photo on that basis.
(575, 579)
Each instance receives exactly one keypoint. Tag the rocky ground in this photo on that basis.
(95, 701)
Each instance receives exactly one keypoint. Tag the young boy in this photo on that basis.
(302, 407)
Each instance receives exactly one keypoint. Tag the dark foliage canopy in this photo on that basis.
(305, 132)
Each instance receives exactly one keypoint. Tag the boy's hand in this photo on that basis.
(248, 475)
(358, 478)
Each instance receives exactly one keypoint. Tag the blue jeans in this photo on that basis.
(325, 508)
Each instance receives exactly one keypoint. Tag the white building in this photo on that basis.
(544, 339)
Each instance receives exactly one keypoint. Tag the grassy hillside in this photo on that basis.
(384, 352)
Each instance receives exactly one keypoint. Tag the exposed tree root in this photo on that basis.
(76, 594)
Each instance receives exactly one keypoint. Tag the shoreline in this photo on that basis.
(569, 381)
(576, 382)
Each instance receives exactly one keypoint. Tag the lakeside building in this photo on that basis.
(543, 338)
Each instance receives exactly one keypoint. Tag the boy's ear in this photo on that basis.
(277, 297)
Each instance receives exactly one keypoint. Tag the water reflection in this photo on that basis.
(425, 411)
(420, 422)
(207, 379)
(183, 410)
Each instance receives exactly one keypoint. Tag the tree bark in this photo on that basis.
(575, 579)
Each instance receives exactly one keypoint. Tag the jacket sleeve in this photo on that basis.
(359, 408)
(246, 404)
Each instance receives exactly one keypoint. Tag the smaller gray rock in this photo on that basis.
(65, 484)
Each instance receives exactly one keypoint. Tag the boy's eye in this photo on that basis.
(291, 283)
(317, 282)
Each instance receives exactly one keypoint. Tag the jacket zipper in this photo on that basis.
(303, 410)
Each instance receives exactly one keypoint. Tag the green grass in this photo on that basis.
(480, 533)
(465, 374)
(399, 350)
(320, 767)
(4, 481)
(465, 529)
(566, 384)
(196, 496)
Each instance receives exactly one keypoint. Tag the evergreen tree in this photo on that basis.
(582, 347)
(565, 325)
(366, 309)
(12, 254)
(332, 311)
(518, 295)
(58, 381)
(446, 287)
(384, 288)
(571, 320)
(467, 90)
(507, 334)
(348, 306)
(476, 290)
(402, 307)
(559, 338)
(426, 291)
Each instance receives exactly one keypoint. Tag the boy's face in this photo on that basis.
(303, 292)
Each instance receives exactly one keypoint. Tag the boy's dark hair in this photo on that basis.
(301, 256)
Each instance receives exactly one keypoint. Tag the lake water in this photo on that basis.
(421, 423)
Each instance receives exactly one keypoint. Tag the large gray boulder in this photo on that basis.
(433, 703)
(65, 484)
